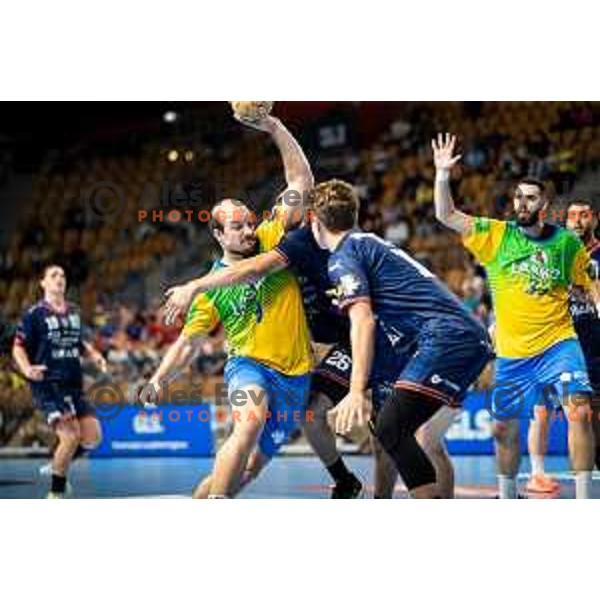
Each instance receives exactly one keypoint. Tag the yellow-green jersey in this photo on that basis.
(264, 320)
(530, 280)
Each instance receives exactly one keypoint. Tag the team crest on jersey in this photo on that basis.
(349, 284)
(539, 271)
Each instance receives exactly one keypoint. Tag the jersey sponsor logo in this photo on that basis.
(52, 323)
(539, 271)
(580, 303)
(62, 353)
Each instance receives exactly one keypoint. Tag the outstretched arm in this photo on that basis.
(298, 174)
(445, 211)
(178, 356)
(245, 271)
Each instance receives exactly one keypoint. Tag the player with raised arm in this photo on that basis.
(270, 359)
(47, 350)
(531, 266)
(392, 300)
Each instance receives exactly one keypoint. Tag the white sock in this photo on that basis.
(217, 497)
(537, 464)
(507, 486)
(583, 485)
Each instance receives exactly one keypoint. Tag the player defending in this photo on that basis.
(270, 357)
(330, 383)
(392, 300)
(47, 350)
(531, 266)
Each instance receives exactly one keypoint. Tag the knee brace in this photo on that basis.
(395, 428)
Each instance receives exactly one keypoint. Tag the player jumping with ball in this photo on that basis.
(269, 343)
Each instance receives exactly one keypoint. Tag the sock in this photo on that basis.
(507, 487)
(81, 451)
(537, 464)
(583, 485)
(59, 484)
(338, 471)
(217, 497)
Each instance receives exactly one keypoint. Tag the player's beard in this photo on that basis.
(528, 220)
(248, 250)
(585, 234)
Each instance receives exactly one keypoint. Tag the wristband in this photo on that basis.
(442, 175)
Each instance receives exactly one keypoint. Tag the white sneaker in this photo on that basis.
(46, 470)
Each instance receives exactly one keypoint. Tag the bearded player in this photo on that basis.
(330, 384)
(270, 357)
(531, 267)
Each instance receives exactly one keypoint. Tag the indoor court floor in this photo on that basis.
(286, 477)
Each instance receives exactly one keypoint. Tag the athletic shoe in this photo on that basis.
(46, 470)
(349, 488)
(542, 484)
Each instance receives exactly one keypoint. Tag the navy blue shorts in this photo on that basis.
(593, 368)
(57, 401)
(332, 375)
(449, 359)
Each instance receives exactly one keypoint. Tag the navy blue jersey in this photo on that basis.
(584, 313)
(309, 263)
(406, 298)
(53, 339)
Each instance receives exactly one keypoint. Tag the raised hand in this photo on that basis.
(443, 150)
(267, 123)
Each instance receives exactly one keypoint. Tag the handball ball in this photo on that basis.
(252, 111)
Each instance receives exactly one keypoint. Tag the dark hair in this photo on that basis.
(336, 204)
(44, 270)
(216, 224)
(580, 202)
(534, 181)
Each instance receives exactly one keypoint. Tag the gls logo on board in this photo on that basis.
(471, 426)
(147, 424)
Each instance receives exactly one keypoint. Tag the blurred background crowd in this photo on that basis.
(103, 202)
